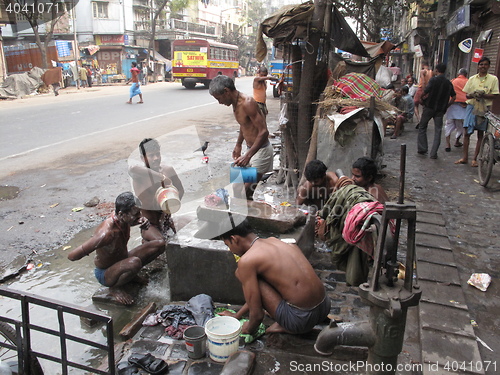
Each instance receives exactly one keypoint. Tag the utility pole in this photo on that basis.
(75, 46)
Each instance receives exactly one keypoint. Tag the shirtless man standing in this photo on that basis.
(115, 265)
(423, 79)
(253, 129)
(318, 187)
(289, 290)
(146, 179)
(260, 87)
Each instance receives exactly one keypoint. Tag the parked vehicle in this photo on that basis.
(199, 61)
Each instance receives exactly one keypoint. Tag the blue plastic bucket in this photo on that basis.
(242, 174)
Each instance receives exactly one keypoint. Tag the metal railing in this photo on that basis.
(174, 24)
(24, 329)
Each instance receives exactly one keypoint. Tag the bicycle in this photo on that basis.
(489, 153)
(9, 355)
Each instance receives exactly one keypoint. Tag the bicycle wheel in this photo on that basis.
(486, 159)
(9, 356)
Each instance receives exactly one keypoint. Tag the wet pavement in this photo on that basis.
(457, 235)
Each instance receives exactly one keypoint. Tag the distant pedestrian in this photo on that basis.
(89, 76)
(412, 88)
(423, 79)
(407, 108)
(135, 89)
(82, 72)
(438, 96)
(480, 89)
(260, 87)
(396, 72)
(456, 112)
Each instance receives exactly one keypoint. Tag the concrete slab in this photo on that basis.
(442, 294)
(432, 240)
(445, 318)
(423, 227)
(430, 218)
(438, 273)
(450, 351)
(438, 256)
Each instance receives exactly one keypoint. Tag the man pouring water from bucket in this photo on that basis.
(159, 189)
(276, 277)
(253, 130)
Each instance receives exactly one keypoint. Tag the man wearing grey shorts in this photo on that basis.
(253, 130)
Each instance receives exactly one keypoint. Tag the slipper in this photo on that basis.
(123, 368)
(461, 161)
(447, 149)
(393, 137)
(458, 144)
(473, 163)
(149, 363)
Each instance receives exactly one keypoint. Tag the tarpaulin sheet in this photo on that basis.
(19, 85)
(293, 22)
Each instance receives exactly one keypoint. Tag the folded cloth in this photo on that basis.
(358, 86)
(357, 223)
(247, 337)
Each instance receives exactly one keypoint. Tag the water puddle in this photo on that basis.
(8, 192)
(55, 277)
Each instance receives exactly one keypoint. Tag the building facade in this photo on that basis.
(111, 34)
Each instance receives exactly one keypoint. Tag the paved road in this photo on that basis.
(46, 128)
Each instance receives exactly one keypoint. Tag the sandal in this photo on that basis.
(461, 161)
(124, 368)
(448, 149)
(458, 144)
(149, 363)
(473, 163)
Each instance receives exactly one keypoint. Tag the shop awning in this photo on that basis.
(157, 57)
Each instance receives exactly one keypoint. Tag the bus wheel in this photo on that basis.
(189, 85)
(275, 91)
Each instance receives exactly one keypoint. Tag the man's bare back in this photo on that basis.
(285, 268)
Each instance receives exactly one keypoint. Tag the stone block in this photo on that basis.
(261, 216)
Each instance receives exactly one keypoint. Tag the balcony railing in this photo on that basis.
(174, 24)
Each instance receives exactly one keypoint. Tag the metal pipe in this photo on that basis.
(348, 334)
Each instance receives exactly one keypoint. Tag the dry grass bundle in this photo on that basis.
(334, 99)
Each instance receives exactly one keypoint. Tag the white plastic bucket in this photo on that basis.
(168, 199)
(223, 337)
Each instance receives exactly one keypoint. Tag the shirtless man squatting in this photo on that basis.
(115, 265)
(289, 290)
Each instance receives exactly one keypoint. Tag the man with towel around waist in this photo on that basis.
(288, 289)
(253, 130)
(260, 87)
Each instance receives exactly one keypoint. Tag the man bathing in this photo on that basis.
(253, 130)
(115, 265)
